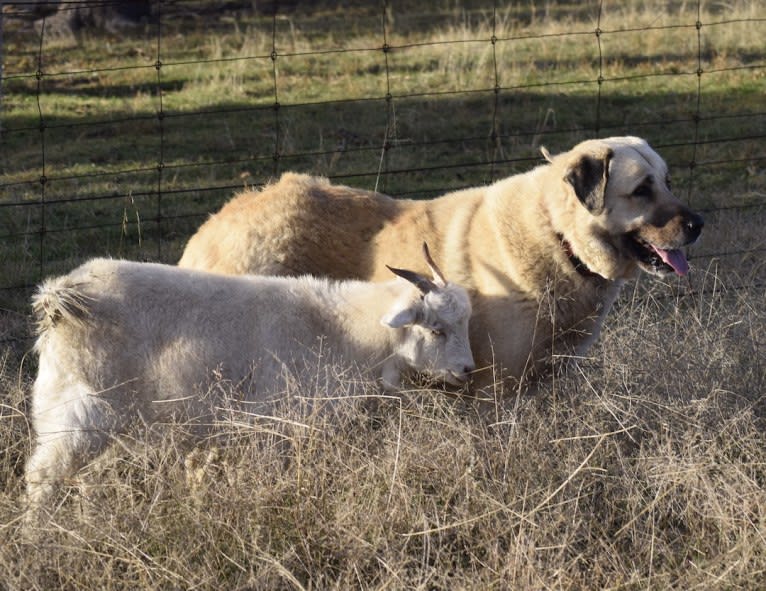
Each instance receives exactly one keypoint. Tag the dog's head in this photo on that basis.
(627, 216)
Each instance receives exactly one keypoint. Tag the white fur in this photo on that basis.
(123, 342)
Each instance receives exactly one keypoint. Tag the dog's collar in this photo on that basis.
(577, 263)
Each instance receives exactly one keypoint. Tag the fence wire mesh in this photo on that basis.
(124, 124)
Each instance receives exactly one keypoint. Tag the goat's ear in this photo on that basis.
(402, 314)
(588, 177)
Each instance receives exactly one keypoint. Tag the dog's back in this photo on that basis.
(299, 225)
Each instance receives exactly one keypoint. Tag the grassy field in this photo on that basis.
(642, 468)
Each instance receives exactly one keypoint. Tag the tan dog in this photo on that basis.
(543, 253)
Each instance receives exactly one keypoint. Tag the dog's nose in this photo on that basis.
(694, 225)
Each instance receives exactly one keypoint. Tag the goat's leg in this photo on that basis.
(70, 434)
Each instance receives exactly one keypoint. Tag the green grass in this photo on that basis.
(643, 468)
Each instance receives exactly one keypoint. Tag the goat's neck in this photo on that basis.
(361, 307)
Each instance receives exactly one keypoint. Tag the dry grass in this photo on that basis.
(643, 467)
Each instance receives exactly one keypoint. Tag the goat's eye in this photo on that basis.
(667, 182)
(437, 332)
(643, 190)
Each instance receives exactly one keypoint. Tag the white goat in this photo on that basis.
(122, 343)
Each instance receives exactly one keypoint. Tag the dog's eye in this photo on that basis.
(643, 190)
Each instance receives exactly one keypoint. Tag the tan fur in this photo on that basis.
(513, 243)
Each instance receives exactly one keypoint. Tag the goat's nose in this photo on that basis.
(469, 369)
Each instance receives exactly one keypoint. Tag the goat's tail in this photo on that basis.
(58, 300)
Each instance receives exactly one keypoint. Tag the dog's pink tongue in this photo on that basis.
(675, 258)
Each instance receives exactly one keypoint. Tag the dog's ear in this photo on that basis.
(588, 177)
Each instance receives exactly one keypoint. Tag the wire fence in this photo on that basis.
(124, 124)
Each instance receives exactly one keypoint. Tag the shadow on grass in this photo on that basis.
(137, 186)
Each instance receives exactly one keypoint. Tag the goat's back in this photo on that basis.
(110, 321)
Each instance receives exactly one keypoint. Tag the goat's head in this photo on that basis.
(434, 322)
